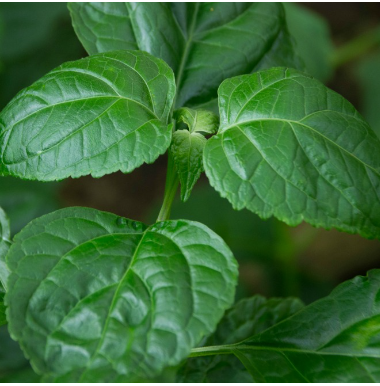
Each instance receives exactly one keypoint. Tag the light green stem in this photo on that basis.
(356, 47)
(171, 187)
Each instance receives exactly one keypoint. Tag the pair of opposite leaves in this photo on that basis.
(286, 146)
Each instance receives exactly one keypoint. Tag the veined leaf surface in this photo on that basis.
(5, 237)
(246, 318)
(335, 339)
(96, 297)
(288, 146)
(93, 116)
(204, 43)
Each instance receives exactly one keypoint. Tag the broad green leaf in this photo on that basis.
(368, 73)
(246, 318)
(198, 121)
(5, 242)
(288, 146)
(313, 42)
(96, 297)
(204, 43)
(93, 116)
(335, 339)
(187, 149)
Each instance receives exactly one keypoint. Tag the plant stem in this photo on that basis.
(211, 350)
(356, 47)
(171, 186)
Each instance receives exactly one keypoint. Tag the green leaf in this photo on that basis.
(204, 43)
(93, 116)
(5, 242)
(96, 297)
(306, 26)
(335, 339)
(246, 318)
(198, 121)
(290, 147)
(187, 149)
(368, 73)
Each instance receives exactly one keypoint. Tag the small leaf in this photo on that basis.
(198, 121)
(95, 116)
(290, 147)
(246, 318)
(5, 242)
(204, 43)
(334, 340)
(187, 150)
(96, 297)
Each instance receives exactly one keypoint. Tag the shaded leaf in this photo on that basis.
(108, 299)
(246, 318)
(335, 339)
(290, 147)
(306, 26)
(187, 149)
(93, 116)
(204, 43)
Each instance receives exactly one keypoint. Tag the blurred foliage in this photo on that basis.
(313, 41)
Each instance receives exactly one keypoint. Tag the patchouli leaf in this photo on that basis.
(5, 237)
(246, 318)
(198, 121)
(93, 116)
(187, 150)
(335, 339)
(94, 297)
(204, 43)
(288, 146)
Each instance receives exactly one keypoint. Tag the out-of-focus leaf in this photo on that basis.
(313, 41)
(96, 297)
(368, 72)
(23, 201)
(290, 147)
(204, 43)
(93, 116)
(246, 318)
(5, 242)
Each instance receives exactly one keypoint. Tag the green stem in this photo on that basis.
(171, 187)
(211, 350)
(356, 47)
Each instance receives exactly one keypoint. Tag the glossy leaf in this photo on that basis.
(335, 339)
(5, 237)
(93, 116)
(204, 43)
(306, 26)
(187, 149)
(246, 318)
(96, 297)
(290, 147)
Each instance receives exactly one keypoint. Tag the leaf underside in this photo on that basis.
(288, 146)
(96, 297)
(335, 339)
(95, 116)
(204, 43)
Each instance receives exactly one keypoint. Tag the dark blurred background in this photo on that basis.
(340, 43)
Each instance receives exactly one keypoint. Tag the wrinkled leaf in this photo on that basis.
(246, 318)
(96, 297)
(93, 116)
(335, 339)
(204, 43)
(5, 242)
(198, 121)
(290, 147)
(187, 149)
(306, 26)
